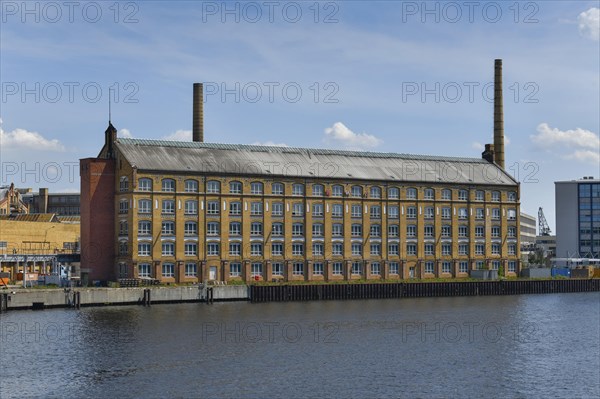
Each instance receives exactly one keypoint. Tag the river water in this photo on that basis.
(497, 347)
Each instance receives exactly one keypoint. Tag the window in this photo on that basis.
(145, 184)
(337, 230)
(317, 210)
(317, 249)
(429, 194)
(393, 231)
(463, 213)
(298, 269)
(512, 196)
(337, 249)
(429, 212)
(235, 249)
(446, 249)
(235, 269)
(256, 188)
(479, 195)
(375, 269)
(297, 249)
(496, 213)
(191, 186)
(393, 193)
(337, 191)
(411, 231)
(463, 267)
(356, 211)
(512, 231)
(429, 231)
(512, 266)
(144, 228)
(496, 196)
(393, 249)
(356, 268)
(317, 190)
(235, 208)
(256, 270)
(277, 249)
(191, 207)
(337, 269)
(297, 229)
(446, 267)
(168, 228)
(191, 270)
(168, 249)
(297, 189)
(429, 267)
(463, 249)
(168, 207)
(123, 228)
(212, 249)
(495, 265)
(256, 249)
(277, 230)
(190, 249)
(446, 194)
(375, 231)
(376, 249)
(429, 249)
(479, 213)
(277, 209)
(235, 187)
(463, 231)
(212, 208)
(212, 229)
(235, 228)
(479, 231)
(123, 183)
(512, 249)
(479, 249)
(168, 185)
(393, 212)
(318, 269)
(495, 249)
(144, 249)
(511, 214)
(411, 193)
(375, 212)
(256, 229)
(446, 213)
(495, 231)
(337, 210)
(317, 230)
(168, 270)
(411, 212)
(277, 269)
(446, 231)
(393, 267)
(256, 208)
(375, 192)
(356, 230)
(277, 189)
(356, 191)
(411, 249)
(356, 249)
(144, 270)
(463, 195)
(123, 206)
(144, 206)
(297, 209)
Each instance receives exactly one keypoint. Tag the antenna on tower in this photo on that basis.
(109, 95)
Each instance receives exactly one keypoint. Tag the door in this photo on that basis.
(212, 273)
(411, 272)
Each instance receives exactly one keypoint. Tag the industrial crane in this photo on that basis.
(544, 229)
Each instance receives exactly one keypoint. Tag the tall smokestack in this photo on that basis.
(198, 114)
(498, 115)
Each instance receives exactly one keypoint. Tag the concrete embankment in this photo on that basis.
(50, 298)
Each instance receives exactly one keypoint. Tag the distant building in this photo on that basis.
(546, 245)
(58, 203)
(11, 201)
(578, 218)
(527, 230)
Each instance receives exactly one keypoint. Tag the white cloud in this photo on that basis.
(179, 135)
(478, 146)
(339, 134)
(125, 133)
(589, 23)
(270, 144)
(23, 139)
(583, 144)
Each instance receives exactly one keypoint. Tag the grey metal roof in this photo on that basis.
(240, 159)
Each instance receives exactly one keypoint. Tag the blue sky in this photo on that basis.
(392, 76)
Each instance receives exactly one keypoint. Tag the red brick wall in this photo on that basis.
(98, 218)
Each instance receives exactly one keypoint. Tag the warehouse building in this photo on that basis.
(186, 212)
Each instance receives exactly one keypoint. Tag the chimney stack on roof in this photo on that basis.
(498, 115)
(198, 114)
